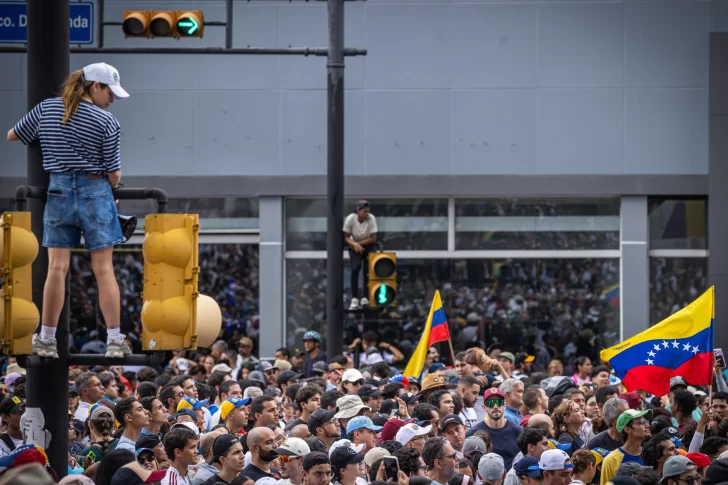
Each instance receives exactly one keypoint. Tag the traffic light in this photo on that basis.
(19, 316)
(382, 279)
(169, 310)
(168, 23)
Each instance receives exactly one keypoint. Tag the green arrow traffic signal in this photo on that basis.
(187, 26)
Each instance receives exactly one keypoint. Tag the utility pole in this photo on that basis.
(48, 65)
(335, 180)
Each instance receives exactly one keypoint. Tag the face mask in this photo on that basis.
(267, 456)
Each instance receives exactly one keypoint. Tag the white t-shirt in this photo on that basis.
(173, 477)
(469, 417)
(359, 231)
(82, 411)
(4, 450)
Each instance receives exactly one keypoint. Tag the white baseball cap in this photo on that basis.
(352, 375)
(293, 447)
(409, 431)
(344, 442)
(105, 74)
(554, 460)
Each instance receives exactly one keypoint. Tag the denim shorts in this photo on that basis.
(77, 206)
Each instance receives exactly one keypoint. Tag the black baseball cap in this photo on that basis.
(343, 455)
(186, 412)
(319, 417)
(450, 419)
(315, 458)
(362, 204)
(368, 390)
(288, 375)
(11, 404)
(410, 398)
(222, 444)
(147, 441)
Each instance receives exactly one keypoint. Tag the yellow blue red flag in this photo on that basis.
(680, 345)
(436, 330)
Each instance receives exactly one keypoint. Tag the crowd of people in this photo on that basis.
(498, 416)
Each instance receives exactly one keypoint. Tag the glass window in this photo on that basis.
(403, 224)
(521, 224)
(678, 224)
(215, 213)
(228, 273)
(674, 284)
(564, 307)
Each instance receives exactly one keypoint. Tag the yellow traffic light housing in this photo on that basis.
(19, 316)
(136, 23)
(163, 23)
(169, 311)
(190, 23)
(382, 279)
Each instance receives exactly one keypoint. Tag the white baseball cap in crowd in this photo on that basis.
(410, 431)
(375, 454)
(554, 460)
(352, 375)
(105, 74)
(293, 447)
(491, 467)
(345, 442)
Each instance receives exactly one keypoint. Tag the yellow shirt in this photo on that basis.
(612, 462)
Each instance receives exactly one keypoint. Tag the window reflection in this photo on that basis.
(521, 224)
(404, 224)
(674, 284)
(215, 213)
(228, 273)
(678, 223)
(566, 307)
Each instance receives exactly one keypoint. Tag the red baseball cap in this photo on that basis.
(633, 399)
(493, 392)
(700, 459)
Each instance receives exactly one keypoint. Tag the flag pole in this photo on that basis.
(452, 352)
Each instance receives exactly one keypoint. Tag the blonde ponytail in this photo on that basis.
(73, 90)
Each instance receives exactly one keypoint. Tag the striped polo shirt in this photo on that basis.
(89, 142)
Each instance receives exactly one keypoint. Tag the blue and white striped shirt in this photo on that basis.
(89, 142)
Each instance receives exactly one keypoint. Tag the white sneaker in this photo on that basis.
(354, 304)
(364, 302)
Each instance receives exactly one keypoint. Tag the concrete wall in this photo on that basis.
(449, 88)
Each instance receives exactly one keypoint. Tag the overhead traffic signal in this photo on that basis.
(169, 311)
(19, 315)
(168, 23)
(382, 279)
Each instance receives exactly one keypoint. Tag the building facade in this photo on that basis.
(545, 164)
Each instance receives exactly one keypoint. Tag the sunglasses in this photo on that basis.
(142, 460)
(494, 403)
(286, 459)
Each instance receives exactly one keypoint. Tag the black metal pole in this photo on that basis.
(102, 28)
(228, 24)
(335, 180)
(254, 51)
(48, 65)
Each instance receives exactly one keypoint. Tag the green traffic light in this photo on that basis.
(382, 295)
(187, 26)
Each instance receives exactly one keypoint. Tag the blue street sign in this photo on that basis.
(14, 23)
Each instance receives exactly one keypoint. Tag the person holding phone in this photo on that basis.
(81, 144)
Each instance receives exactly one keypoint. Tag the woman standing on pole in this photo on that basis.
(81, 145)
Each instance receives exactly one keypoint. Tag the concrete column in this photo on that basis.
(271, 286)
(717, 180)
(634, 266)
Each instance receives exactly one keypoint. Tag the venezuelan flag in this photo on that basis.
(436, 330)
(680, 345)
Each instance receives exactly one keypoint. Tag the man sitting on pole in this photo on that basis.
(360, 234)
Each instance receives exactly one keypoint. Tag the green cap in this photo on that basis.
(629, 415)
